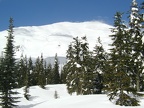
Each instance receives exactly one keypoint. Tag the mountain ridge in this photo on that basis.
(55, 38)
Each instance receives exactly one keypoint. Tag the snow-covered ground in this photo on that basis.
(44, 98)
(55, 38)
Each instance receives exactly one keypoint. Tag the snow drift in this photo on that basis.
(44, 98)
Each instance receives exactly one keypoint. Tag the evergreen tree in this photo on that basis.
(118, 75)
(99, 66)
(30, 71)
(49, 74)
(45, 72)
(64, 74)
(21, 72)
(74, 78)
(136, 33)
(1, 73)
(78, 68)
(41, 75)
(36, 71)
(26, 79)
(8, 74)
(56, 74)
(86, 72)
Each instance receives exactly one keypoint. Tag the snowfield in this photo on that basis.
(55, 38)
(44, 98)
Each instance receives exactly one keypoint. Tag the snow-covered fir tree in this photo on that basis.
(79, 74)
(99, 59)
(74, 79)
(120, 66)
(137, 45)
(85, 62)
(8, 77)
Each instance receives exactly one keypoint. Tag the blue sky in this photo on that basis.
(42, 12)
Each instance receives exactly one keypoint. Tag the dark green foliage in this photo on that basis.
(45, 73)
(39, 73)
(22, 71)
(79, 74)
(8, 73)
(126, 100)
(36, 71)
(99, 66)
(56, 75)
(30, 71)
(74, 77)
(119, 78)
(41, 77)
(1, 71)
(26, 88)
(137, 45)
(64, 74)
(49, 74)
(26, 80)
(85, 62)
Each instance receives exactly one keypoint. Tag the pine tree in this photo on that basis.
(45, 72)
(85, 62)
(41, 77)
(118, 75)
(1, 73)
(39, 74)
(26, 79)
(49, 74)
(78, 68)
(36, 72)
(8, 74)
(74, 78)
(56, 74)
(21, 71)
(142, 23)
(64, 74)
(30, 71)
(99, 66)
(136, 33)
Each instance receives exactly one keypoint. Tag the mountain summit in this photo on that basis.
(55, 38)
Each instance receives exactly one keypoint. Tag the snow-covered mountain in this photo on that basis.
(55, 38)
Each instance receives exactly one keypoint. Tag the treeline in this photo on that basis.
(37, 73)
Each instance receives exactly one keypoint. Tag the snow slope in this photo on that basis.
(44, 98)
(55, 38)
